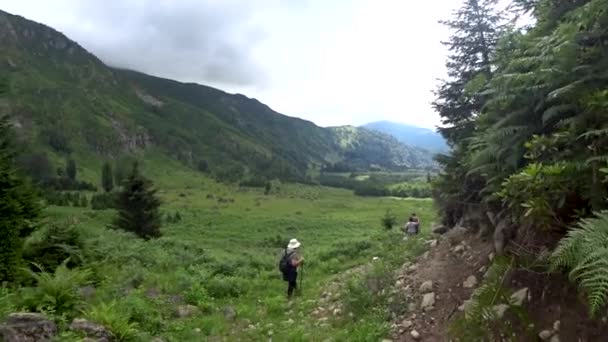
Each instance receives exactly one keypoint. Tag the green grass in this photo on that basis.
(226, 253)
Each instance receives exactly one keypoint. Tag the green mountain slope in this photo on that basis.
(411, 135)
(67, 102)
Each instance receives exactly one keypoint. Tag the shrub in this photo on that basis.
(225, 287)
(102, 201)
(198, 295)
(55, 292)
(6, 302)
(389, 220)
(58, 243)
(584, 252)
(115, 318)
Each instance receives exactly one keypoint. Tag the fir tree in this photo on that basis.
(138, 207)
(107, 181)
(70, 169)
(18, 206)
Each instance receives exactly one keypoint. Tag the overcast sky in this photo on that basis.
(333, 62)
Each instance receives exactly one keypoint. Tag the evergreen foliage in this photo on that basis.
(138, 207)
(18, 206)
(70, 169)
(107, 181)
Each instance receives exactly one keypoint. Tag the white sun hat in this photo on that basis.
(293, 243)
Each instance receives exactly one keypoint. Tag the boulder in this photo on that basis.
(459, 249)
(440, 229)
(470, 282)
(428, 300)
(520, 296)
(545, 334)
(93, 330)
(426, 287)
(229, 313)
(554, 338)
(415, 335)
(185, 311)
(407, 324)
(27, 327)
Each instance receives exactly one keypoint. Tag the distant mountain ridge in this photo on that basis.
(411, 135)
(67, 102)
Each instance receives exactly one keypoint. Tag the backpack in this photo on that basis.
(284, 264)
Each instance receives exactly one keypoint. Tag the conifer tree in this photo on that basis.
(70, 169)
(18, 206)
(107, 181)
(138, 207)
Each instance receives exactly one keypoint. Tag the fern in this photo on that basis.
(584, 251)
(115, 318)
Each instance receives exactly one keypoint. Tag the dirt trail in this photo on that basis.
(455, 264)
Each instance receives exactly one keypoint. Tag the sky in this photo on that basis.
(334, 62)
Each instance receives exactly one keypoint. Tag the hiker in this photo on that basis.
(290, 261)
(413, 225)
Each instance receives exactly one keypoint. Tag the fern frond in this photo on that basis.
(584, 251)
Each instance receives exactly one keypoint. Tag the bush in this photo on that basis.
(55, 292)
(115, 318)
(102, 201)
(389, 220)
(6, 302)
(58, 243)
(198, 295)
(225, 287)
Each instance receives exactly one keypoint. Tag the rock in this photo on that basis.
(440, 229)
(411, 307)
(459, 249)
(500, 310)
(158, 339)
(470, 282)
(152, 293)
(415, 335)
(270, 332)
(185, 311)
(407, 324)
(90, 329)
(229, 313)
(27, 327)
(555, 338)
(428, 300)
(87, 292)
(519, 296)
(465, 305)
(545, 334)
(412, 267)
(427, 286)
(337, 311)
(386, 340)
(425, 255)
(482, 269)
(375, 258)
(491, 256)
(556, 325)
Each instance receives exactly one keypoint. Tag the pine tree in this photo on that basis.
(18, 206)
(138, 207)
(107, 181)
(70, 169)
(476, 28)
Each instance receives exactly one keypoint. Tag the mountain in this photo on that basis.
(411, 135)
(66, 102)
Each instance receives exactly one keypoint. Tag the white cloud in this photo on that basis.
(333, 62)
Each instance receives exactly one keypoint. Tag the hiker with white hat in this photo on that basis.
(290, 261)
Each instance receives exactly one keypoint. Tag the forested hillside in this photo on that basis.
(69, 104)
(525, 111)
(411, 135)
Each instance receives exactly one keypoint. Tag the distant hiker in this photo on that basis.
(290, 261)
(413, 225)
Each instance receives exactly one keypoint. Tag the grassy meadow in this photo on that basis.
(222, 255)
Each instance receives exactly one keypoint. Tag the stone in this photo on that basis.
(185, 311)
(415, 335)
(554, 338)
(386, 340)
(407, 324)
(556, 325)
(337, 311)
(470, 282)
(500, 310)
(518, 297)
(545, 334)
(412, 267)
(465, 305)
(411, 307)
(229, 313)
(491, 256)
(440, 229)
(197, 330)
(90, 329)
(427, 286)
(158, 339)
(459, 249)
(428, 300)
(482, 269)
(425, 255)
(27, 327)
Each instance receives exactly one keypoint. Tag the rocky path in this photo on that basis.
(439, 284)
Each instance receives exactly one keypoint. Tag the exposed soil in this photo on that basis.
(448, 265)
